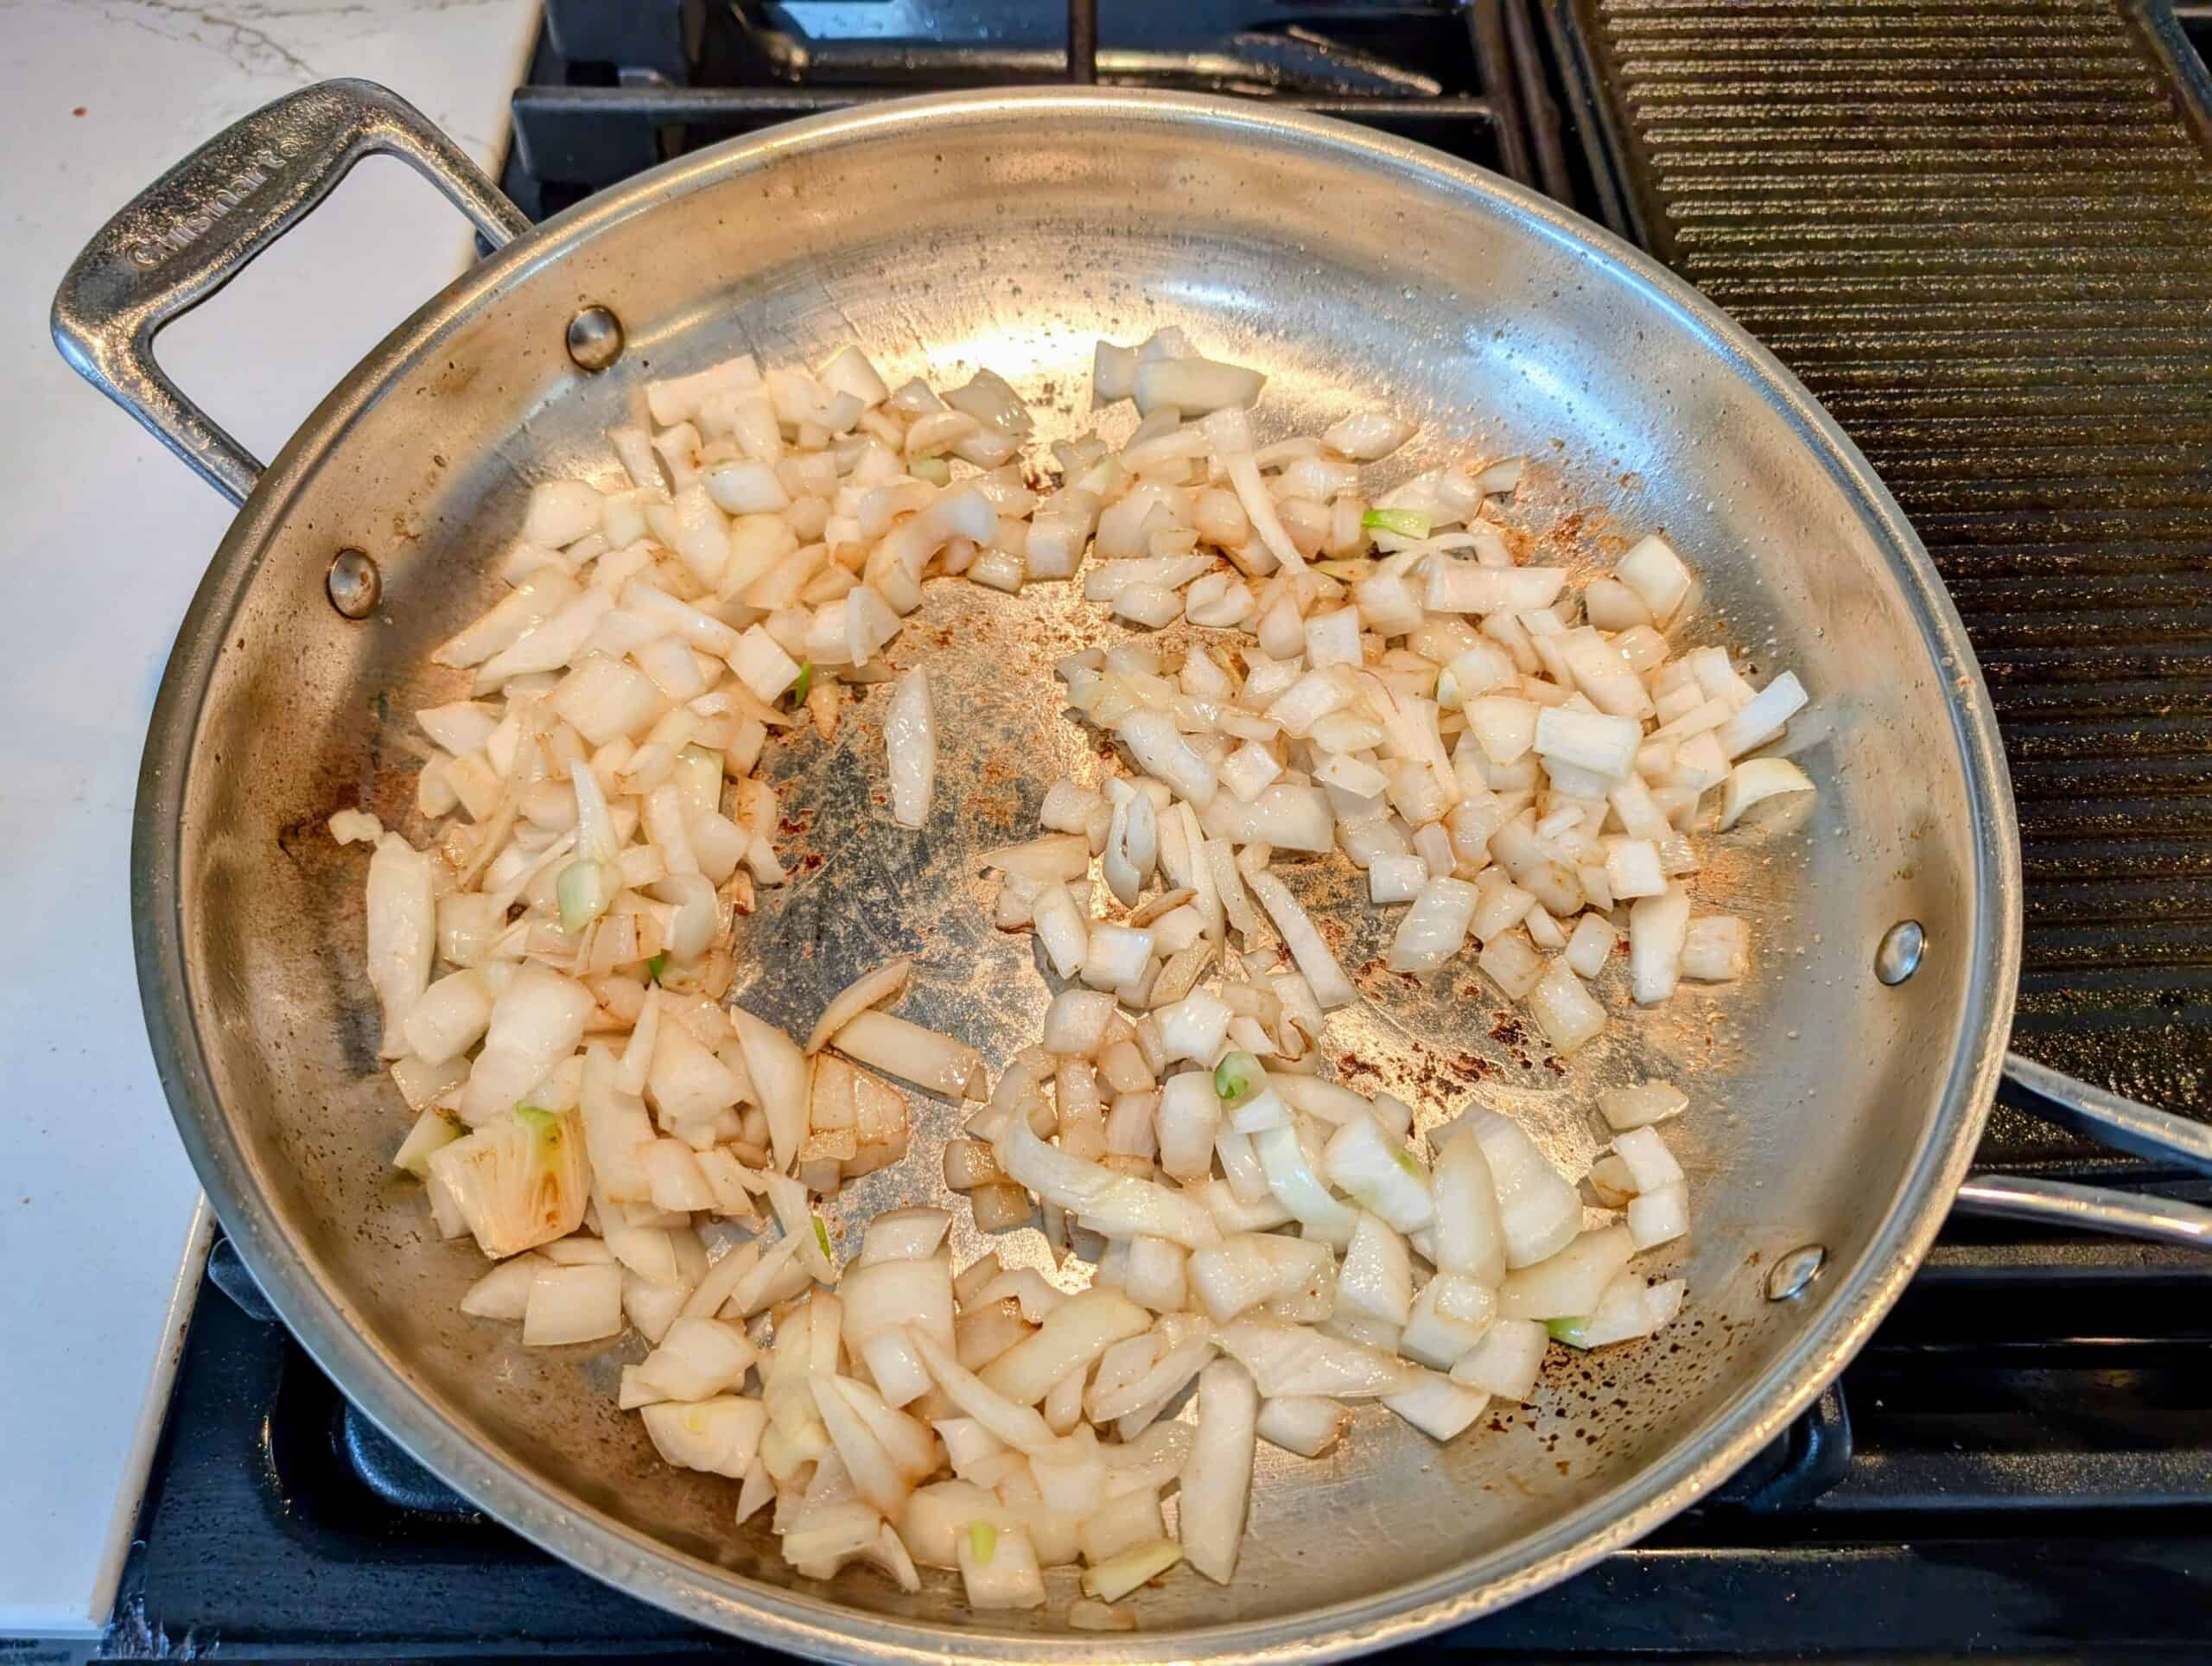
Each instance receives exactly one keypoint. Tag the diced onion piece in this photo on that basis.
(1658, 927)
(778, 1073)
(1161, 751)
(1306, 1424)
(720, 1436)
(1367, 437)
(572, 1304)
(535, 1023)
(1657, 575)
(1075, 1023)
(1467, 587)
(1192, 386)
(503, 1293)
(1365, 1163)
(1539, 1210)
(1117, 954)
(1504, 1364)
(1650, 1165)
(1291, 1178)
(1503, 726)
(1627, 1309)
(1435, 928)
(1331, 986)
(910, 739)
(1754, 781)
(762, 666)
(869, 989)
(1060, 856)
(1189, 1114)
(998, 1567)
(1437, 1405)
(1114, 1204)
(401, 934)
(697, 1358)
(1716, 949)
(1469, 1232)
(1590, 741)
(1295, 1359)
(1216, 1482)
(1115, 1577)
(1590, 944)
(1074, 1334)
(1763, 718)
(1020, 1426)
(1567, 1284)
(909, 1234)
(935, 1062)
(1113, 376)
(1448, 1316)
(1376, 1280)
(1193, 1027)
(1567, 1013)
(1260, 508)
(1641, 1104)
(1659, 1215)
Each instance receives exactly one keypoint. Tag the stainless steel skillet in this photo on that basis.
(1837, 1111)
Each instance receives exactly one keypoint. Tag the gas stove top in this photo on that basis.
(1976, 230)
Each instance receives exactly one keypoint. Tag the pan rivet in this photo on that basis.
(354, 583)
(1795, 1271)
(1898, 958)
(594, 338)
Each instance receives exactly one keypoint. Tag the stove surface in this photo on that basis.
(2020, 1463)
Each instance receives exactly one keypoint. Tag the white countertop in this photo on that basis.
(98, 1214)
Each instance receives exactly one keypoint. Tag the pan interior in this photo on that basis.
(1010, 234)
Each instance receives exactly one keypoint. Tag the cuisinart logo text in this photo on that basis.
(185, 229)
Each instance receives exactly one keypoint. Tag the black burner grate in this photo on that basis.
(614, 90)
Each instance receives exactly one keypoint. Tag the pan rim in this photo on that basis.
(630, 1560)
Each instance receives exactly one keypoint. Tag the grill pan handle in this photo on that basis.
(198, 227)
(2110, 1120)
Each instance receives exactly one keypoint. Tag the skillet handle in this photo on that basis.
(2087, 1209)
(2106, 1117)
(2110, 1120)
(201, 223)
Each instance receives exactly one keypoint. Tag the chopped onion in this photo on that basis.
(1658, 927)
(1290, 1176)
(1331, 986)
(1762, 720)
(1469, 1229)
(1716, 949)
(1113, 1204)
(572, 1304)
(1365, 1163)
(1505, 1362)
(1217, 1481)
(1306, 1424)
(1293, 1359)
(869, 989)
(1754, 781)
(1192, 386)
(1567, 1284)
(935, 1062)
(1567, 1013)
(1435, 928)
(1437, 1405)
(1538, 1209)
(1657, 575)
(1660, 1216)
